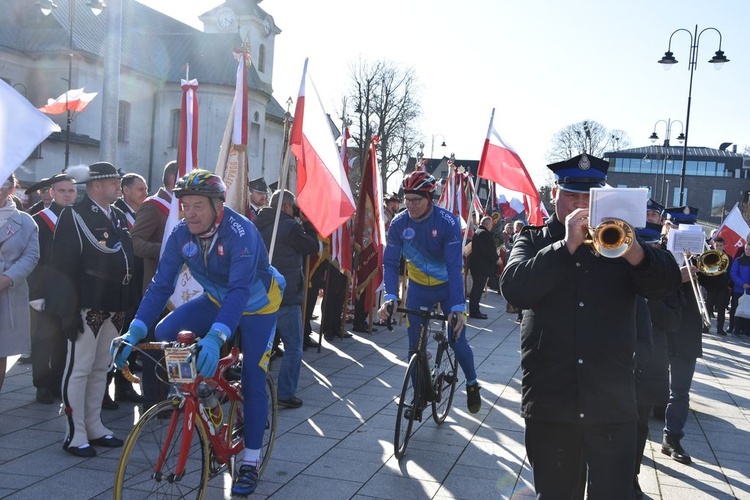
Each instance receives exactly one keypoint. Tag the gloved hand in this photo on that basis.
(125, 343)
(72, 326)
(208, 353)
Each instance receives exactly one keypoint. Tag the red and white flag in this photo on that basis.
(74, 100)
(323, 191)
(187, 160)
(22, 128)
(501, 164)
(341, 238)
(369, 230)
(734, 230)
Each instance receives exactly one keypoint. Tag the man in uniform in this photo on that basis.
(577, 342)
(482, 264)
(134, 191)
(685, 345)
(93, 253)
(48, 345)
(390, 209)
(148, 233)
(258, 197)
(653, 212)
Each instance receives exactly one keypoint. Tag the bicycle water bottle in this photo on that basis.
(210, 402)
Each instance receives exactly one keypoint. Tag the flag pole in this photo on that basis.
(282, 186)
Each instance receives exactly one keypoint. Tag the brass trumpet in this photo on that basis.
(612, 238)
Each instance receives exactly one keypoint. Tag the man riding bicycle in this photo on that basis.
(226, 255)
(430, 239)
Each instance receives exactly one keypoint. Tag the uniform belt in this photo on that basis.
(103, 276)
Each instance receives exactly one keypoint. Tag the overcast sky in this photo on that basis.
(544, 64)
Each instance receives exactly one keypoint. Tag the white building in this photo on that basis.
(34, 59)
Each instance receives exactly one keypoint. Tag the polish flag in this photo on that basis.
(323, 191)
(22, 128)
(74, 100)
(734, 230)
(501, 164)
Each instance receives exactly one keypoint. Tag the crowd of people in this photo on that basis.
(85, 280)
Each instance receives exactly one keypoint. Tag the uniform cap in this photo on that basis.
(48, 182)
(681, 215)
(649, 234)
(580, 173)
(258, 184)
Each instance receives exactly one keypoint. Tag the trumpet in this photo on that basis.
(612, 238)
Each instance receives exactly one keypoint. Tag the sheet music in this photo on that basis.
(628, 204)
(688, 237)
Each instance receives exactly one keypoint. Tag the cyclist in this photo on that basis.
(430, 239)
(226, 255)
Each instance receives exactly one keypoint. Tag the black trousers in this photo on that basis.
(567, 456)
(718, 300)
(48, 350)
(477, 287)
(642, 434)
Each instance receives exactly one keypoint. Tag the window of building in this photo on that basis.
(262, 58)
(718, 200)
(123, 122)
(676, 197)
(175, 128)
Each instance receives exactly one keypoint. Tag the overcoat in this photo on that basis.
(578, 329)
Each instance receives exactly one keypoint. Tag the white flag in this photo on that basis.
(22, 129)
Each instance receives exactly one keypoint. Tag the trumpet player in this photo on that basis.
(718, 291)
(577, 342)
(685, 346)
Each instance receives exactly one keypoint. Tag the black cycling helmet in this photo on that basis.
(419, 182)
(201, 182)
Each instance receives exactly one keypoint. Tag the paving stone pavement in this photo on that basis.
(339, 444)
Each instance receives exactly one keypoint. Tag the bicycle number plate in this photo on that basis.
(180, 367)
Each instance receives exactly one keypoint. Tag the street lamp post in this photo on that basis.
(668, 136)
(432, 145)
(46, 7)
(668, 60)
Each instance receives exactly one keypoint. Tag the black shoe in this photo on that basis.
(473, 398)
(363, 328)
(310, 343)
(705, 329)
(637, 489)
(107, 442)
(478, 315)
(418, 411)
(721, 333)
(671, 446)
(108, 404)
(128, 394)
(44, 396)
(290, 403)
(24, 360)
(84, 452)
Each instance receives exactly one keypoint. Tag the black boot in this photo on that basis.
(671, 446)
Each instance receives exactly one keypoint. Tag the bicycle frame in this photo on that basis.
(421, 348)
(220, 441)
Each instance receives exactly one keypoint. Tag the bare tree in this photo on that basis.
(588, 137)
(387, 104)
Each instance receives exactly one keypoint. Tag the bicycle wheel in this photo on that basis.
(157, 437)
(444, 383)
(407, 409)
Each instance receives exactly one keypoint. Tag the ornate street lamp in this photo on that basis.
(668, 60)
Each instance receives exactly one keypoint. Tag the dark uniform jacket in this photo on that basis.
(293, 242)
(652, 374)
(686, 341)
(94, 254)
(483, 257)
(42, 280)
(578, 328)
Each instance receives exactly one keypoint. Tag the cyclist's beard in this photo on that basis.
(215, 224)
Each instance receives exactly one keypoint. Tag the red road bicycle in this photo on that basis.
(179, 444)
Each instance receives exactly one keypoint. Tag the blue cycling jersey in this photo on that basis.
(232, 267)
(432, 248)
